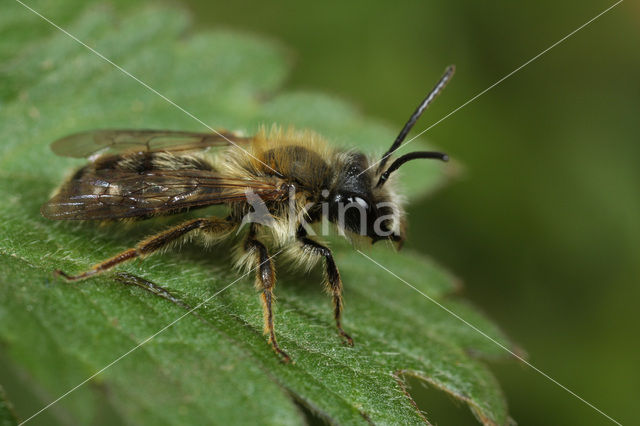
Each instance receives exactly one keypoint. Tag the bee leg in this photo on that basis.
(332, 276)
(154, 243)
(265, 280)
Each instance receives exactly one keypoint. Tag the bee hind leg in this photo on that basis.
(334, 282)
(265, 280)
(213, 226)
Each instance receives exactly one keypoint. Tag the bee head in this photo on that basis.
(357, 206)
(362, 201)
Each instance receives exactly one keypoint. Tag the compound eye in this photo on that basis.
(362, 203)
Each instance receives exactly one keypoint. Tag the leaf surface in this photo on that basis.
(7, 415)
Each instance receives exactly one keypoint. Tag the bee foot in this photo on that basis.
(283, 355)
(346, 339)
(60, 273)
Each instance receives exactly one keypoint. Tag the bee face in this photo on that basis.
(357, 206)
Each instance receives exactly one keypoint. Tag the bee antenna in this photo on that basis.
(408, 157)
(448, 73)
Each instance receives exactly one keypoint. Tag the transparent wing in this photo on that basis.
(97, 143)
(118, 194)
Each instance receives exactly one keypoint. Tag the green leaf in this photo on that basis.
(7, 415)
(212, 366)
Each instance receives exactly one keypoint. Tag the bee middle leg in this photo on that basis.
(265, 280)
(212, 226)
(332, 276)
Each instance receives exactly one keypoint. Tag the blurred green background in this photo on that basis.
(543, 224)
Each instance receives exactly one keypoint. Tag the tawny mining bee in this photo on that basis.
(277, 182)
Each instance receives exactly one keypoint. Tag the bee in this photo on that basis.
(295, 177)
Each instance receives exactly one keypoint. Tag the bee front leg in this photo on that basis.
(332, 276)
(265, 280)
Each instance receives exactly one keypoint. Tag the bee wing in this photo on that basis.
(96, 143)
(118, 194)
